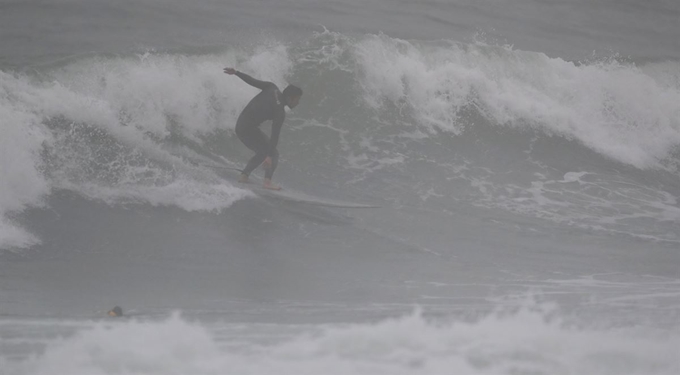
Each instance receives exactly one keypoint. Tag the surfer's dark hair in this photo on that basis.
(292, 91)
(116, 311)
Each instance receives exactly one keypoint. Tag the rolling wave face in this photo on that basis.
(437, 125)
(592, 145)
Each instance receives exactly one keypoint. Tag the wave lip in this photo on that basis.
(615, 108)
(22, 184)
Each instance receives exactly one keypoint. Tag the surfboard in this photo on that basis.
(298, 197)
(232, 175)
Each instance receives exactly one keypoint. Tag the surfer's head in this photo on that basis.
(292, 95)
(115, 312)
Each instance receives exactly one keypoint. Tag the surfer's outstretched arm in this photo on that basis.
(249, 80)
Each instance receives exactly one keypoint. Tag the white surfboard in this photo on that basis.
(232, 175)
(298, 197)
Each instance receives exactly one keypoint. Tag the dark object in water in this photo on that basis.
(116, 312)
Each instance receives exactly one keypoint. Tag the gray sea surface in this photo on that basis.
(525, 156)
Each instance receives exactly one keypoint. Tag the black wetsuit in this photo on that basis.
(264, 106)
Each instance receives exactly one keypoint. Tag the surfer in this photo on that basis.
(115, 312)
(267, 105)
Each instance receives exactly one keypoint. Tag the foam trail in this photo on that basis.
(186, 194)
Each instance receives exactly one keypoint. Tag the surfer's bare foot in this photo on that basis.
(268, 184)
(243, 179)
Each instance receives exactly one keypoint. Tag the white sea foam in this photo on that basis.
(22, 183)
(616, 109)
(156, 92)
(530, 340)
(185, 194)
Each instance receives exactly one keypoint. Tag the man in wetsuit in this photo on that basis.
(267, 105)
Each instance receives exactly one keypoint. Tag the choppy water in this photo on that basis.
(526, 157)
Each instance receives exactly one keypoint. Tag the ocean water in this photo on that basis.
(525, 155)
